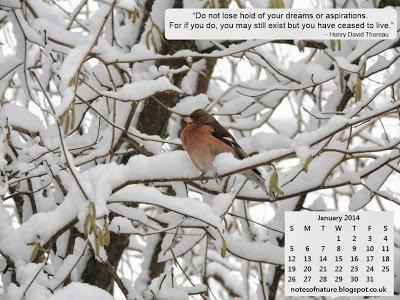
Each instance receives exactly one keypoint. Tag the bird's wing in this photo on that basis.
(224, 136)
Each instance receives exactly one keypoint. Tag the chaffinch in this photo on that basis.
(204, 138)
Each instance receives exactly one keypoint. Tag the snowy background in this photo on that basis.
(98, 197)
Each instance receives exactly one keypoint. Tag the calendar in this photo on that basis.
(339, 254)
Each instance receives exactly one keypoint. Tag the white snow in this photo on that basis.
(81, 291)
(21, 117)
(255, 251)
(346, 65)
(142, 89)
(185, 206)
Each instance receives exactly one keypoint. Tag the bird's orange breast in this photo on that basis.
(202, 146)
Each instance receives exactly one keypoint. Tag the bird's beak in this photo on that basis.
(188, 119)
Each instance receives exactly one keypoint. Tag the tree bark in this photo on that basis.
(96, 273)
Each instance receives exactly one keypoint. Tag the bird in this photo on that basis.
(203, 138)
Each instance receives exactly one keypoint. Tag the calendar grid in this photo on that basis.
(339, 253)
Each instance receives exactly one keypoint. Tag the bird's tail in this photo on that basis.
(255, 176)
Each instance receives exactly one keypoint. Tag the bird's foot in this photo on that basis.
(218, 179)
(203, 180)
